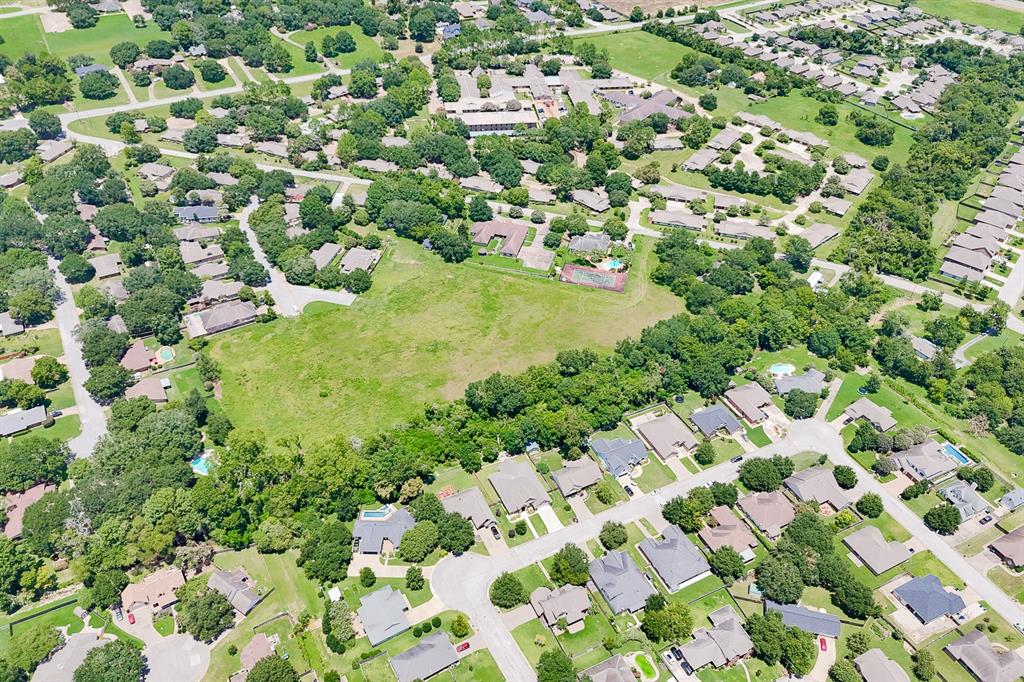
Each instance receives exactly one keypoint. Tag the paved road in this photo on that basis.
(94, 420)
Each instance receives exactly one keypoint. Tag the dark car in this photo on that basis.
(56, 413)
(118, 613)
(495, 532)
(629, 491)
(737, 459)
(986, 519)
(677, 653)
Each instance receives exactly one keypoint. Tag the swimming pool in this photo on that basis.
(201, 466)
(166, 354)
(381, 513)
(613, 264)
(955, 453)
(782, 369)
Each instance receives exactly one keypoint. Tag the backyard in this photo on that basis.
(402, 346)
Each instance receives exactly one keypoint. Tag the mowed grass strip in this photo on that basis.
(980, 13)
(422, 333)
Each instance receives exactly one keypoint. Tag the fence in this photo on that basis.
(49, 609)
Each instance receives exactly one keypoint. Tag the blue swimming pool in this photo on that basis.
(201, 466)
(782, 369)
(955, 453)
(381, 513)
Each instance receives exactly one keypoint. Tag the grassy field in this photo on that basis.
(21, 35)
(96, 42)
(366, 47)
(35, 342)
(639, 53)
(423, 332)
(973, 12)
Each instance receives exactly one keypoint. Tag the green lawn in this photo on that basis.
(96, 42)
(974, 12)
(352, 590)
(595, 629)
(479, 665)
(597, 506)
(534, 638)
(402, 345)
(366, 47)
(757, 436)
(60, 398)
(880, 639)
(164, 625)
(847, 394)
(639, 53)
(992, 343)
(61, 617)
(34, 342)
(533, 577)
(1009, 582)
(21, 35)
(655, 474)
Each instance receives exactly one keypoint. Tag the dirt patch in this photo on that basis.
(55, 22)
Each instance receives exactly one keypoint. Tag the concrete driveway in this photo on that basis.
(177, 658)
(61, 667)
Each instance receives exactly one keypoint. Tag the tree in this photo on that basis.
(944, 519)
(455, 532)
(48, 373)
(799, 253)
(555, 666)
(76, 268)
(724, 493)
(685, 512)
(613, 535)
(924, 665)
(107, 382)
(800, 404)
(507, 592)
(708, 102)
(780, 581)
(327, 552)
(846, 477)
(212, 71)
(418, 542)
(673, 622)
(414, 578)
(758, 474)
(114, 662)
(200, 140)
(479, 209)
(125, 53)
(98, 85)
(367, 578)
(205, 615)
(459, 625)
(828, 115)
(31, 646)
(870, 505)
(45, 125)
(310, 54)
(727, 564)
(766, 634)
(272, 669)
(177, 78)
(570, 566)
(843, 671)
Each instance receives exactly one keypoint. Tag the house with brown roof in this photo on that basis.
(19, 369)
(512, 234)
(148, 387)
(577, 475)
(518, 486)
(1010, 548)
(667, 435)
(138, 358)
(748, 401)
(875, 551)
(17, 503)
(879, 417)
(728, 531)
(156, 590)
(106, 266)
(974, 652)
(569, 602)
(771, 512)
(818, 484)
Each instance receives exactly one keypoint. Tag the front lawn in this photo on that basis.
(164, 625)
(655, 474)
(479, 665)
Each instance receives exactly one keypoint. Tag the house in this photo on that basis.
(748, 400)
(700, 160)
(16, 421)
(874, 551)
(712, 420)
(683, 219)
(863, 408)
(138, 358)
(323, 256)
(194, 253)
(874, 666)
(9, 326)
(675, 559)
(667, 435)
(53, 150)
(237, 588)
(197, 214)
(116, 290)
(196, 233)
(771, 512)
(619, 455)
(381, 536)
(724, 643)
(620, 582)
(511, 233)
(217, 270)
(739, 229)
(1010, 548)
(819, 233)
(214, 292)
(926, 598)
(925, 461)
(106, 266)
(570, 602)
(817, 623)
(471, 504)
(15, 505)
(595, 201)
(223, 179)
(923, 348)
(591, 242)
(382, 614)
(156, 590)
(576, 476)
(19, 369)
(1013, 499)
(728, 531)
(818, 484)
(11, 179)
(149, 387)
(974, 652)
(614, 669)
(81, 71)
(836, 206)
(965, 498)
(278, 149)
(433, 654)
(359, 258)
(376, 165)
(157, 173)
(811, 381)
(518, 486)
(220, 317)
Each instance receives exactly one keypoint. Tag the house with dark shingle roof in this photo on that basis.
(926, 598)
(619, 455)
(675, 559)
(377, 536)
(808, 620)
(620, 582)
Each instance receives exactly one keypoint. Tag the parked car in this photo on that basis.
(462, 647)
(986, 519)
(495, 532)
(629, 491)
(118, 613)
(737, 459)
(1019, 626)
(56, 413)
(131, 618)
(823, 643)
(677, 653)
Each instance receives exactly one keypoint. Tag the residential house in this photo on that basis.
(220, 317)
(620, 582)
(874, 666)
(258, 648)
(771, 512)
(194, 253)
(518, 486)
(432, 655)
(1010, 548)
(683, 219)
(138, 358)
(471, 504)
(667, 435)
(619, 455)
(591, 242)
(748, 401)
(19, 369)
(158, 173)
(15, 505)
(106, 266)
(359, 258)
(153, 388)
(197, 214)
(196, 233)
(568, 602)
(974, 652)
(811, 381)
(16, 421)
(728, 531)
(724, 643)
(382, 613)
(576, 476)
(925, 461)
(874, 551)
(1013, 499)
(675, 559)
(818, 484)
(819, 233)
(381, 536)
(817, 623)
(926, 598)
(237, 587)
(594, 200)
(9, 326)
(511, 233)
(323, 256)
(214, 292)
(714, 420)
(614, 669)
(156, 590)
(923, 348)
(965, 498)
(863, 408)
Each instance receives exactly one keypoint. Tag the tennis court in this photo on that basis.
(592, 277)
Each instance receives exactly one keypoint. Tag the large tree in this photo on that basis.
(114, 662)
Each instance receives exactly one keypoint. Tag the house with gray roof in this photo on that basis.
(323, 256)
(570, 602)
(874, 551)
(675, 559)
(237, 588)
(817, 623)
(1013, 499)
(380, 536)
(576, 476)
(17, 421)
(863, 408)
(471, 504)
(359, 258)
(965, 498)
(771, 512)
(683, 219)
(614, 669)
(974, 652)
(715, 419)
(432, 655)
(518, 486)
(819, 233)
(619, 455)
(724, 643)
(596, 201)
(620, 582)
(382, 614)
(748, 400)
(197, 214)
(874, 666)
(926, 598)
(591, 242)
(818, 484)
(667, 435)
(923, 348)
(925, 461)
(220, 317)
(9, 326)
(811, 381)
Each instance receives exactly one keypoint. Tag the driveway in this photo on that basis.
(61, 667)
(177, 658)
(826, 659)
